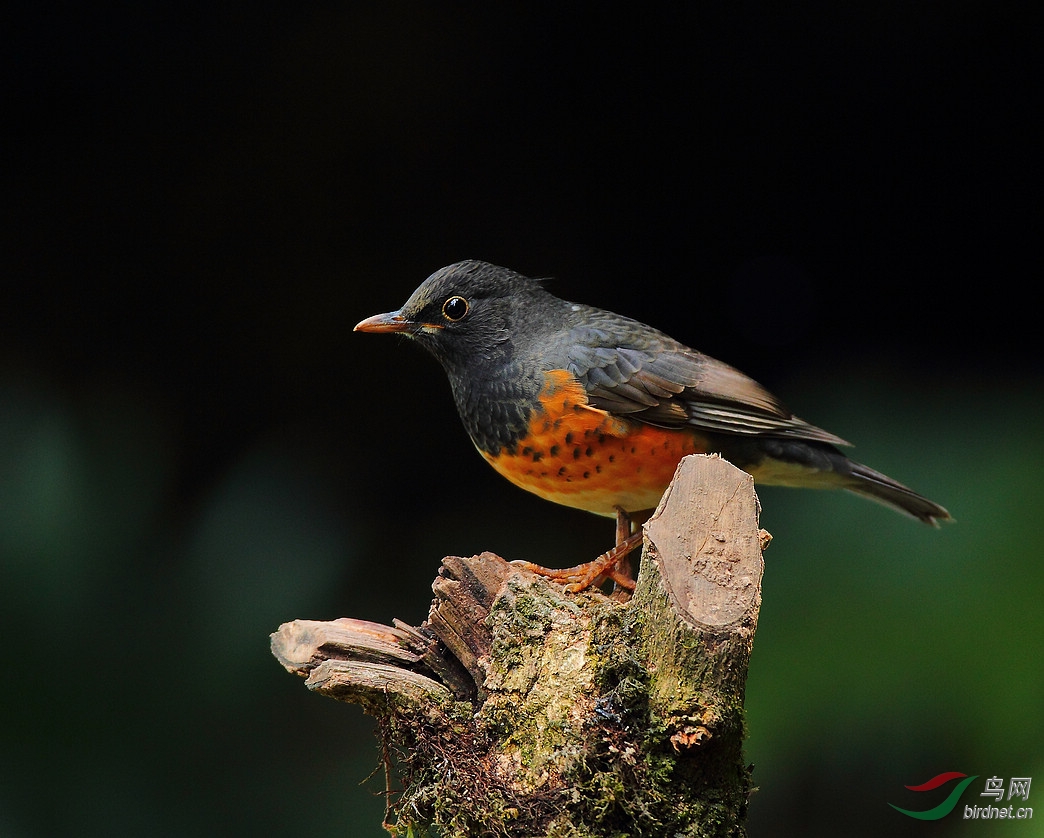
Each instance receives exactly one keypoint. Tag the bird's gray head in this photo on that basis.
(466, 313)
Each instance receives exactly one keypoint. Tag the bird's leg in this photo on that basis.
(582, 576)
(612, 564)
(624, 531)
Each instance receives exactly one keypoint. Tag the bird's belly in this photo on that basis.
(589, 459)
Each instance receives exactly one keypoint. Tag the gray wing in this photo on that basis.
(640, 373)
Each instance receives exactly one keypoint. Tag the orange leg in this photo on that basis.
(624, 531)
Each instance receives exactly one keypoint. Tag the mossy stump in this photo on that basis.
(519, 709)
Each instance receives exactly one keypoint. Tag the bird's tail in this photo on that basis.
(863, 480)
(814, 464)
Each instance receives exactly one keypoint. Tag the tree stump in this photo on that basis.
(519, 709)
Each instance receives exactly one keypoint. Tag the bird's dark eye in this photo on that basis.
(455, 308)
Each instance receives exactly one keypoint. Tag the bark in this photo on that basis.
(520, 709)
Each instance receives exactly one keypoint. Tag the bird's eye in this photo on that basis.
(455, 308)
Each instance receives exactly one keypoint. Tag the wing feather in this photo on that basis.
(636, 371)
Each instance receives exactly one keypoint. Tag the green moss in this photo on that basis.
(570, 701)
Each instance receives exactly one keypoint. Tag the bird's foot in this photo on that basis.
(583, 576)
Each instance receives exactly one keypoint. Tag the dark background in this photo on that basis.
(199, 202)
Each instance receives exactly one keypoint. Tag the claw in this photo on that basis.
(582, 576)
(612, 564)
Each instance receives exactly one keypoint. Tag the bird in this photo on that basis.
(594, 410)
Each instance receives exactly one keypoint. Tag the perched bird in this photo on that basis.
(594, 410)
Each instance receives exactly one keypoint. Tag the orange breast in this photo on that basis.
(583, 457)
